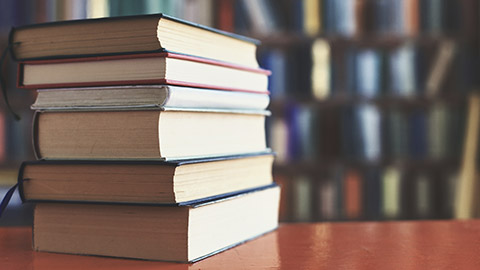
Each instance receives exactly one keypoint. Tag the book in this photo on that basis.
(403, 70)
(152, 68)
(311, 15)
(418, 134)
(440, 67)
(465, 205)
(423, 197)
(278, 138)
(147, 182)
(397, 129)
(130, 34)
(391, 185)
(368, 72)
(368, 120)
(146, 134)
(146, 96)
(438, 131)
(276, 61)
(372, 193)
(321, 76)
(327, 197)
(352, 195)
(181, 233)
(302, 198)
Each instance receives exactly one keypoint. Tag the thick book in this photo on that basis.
(150, 68)
(179, 233)
(146, 134)
(147, 96)
(130, 34)
(146, 182)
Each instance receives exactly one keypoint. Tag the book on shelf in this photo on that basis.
(150, 68)
(368, 72)
(397, 136)
(276, 61)
(180, 233)
(131, 34)
(352, 195)
(321, 69)
(368, 122)
(137, 181)
(147, 134)
(423, 196)
(372, 193)
(465, 202)
(302, 198)
(438, 131)
(418, 134)
(147, 96)
(278, 138)
(391, 191)
(403, 71)
(327, 199)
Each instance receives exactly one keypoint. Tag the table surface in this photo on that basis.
(360, 245)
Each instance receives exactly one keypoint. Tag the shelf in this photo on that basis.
(386, 101)
(287, 39)
(411, 164)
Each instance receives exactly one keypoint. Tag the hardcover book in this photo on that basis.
(153, 68)
(136, 181)
(172, 233)
(147, 96)
(146, 134)
(130, 34)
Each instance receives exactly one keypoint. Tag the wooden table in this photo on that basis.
(368, 245)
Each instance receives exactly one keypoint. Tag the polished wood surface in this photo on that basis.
(367, 245)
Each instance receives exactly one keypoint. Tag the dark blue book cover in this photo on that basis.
(418, 134)
(372, 188)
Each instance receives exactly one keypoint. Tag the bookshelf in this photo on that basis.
(385, 119)
(363, 127)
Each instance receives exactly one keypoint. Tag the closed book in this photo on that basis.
(321, 69)
(171, 233)
(130, 34)
(368, 72)
(147, 96)
(146, 182)
(302, 190)
(391, 185)
(146, 134)
(153, 68)
(352, 195)
(311, 15)
(403, 71)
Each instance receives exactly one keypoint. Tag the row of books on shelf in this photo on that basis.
(347, 194)
(40, 11)
(323, 70)
(312, 17)
(357, 17)
(158, 141)
(367, 132)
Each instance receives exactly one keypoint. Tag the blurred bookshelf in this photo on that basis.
(369, 97)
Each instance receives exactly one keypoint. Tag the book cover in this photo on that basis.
(128, 97)
(164, 134)
(184, 70)
(130, 34)
(143, 181)
(181, 234)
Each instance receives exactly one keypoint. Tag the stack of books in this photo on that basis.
(150, 138)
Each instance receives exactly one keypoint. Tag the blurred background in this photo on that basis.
(373, 101)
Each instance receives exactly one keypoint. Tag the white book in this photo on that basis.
(147, 96)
